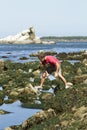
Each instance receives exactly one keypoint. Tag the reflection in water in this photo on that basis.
(1, 88)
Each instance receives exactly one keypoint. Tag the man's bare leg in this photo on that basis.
(44, 76)
(62, 78)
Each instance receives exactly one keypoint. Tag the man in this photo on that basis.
(52, 66)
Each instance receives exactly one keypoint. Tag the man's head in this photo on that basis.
(41, 56)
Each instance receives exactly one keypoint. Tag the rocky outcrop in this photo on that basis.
(82, 79)
(38, 118)
(1, 65)
(24, 37)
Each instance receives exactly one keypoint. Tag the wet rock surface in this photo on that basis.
(61, 109)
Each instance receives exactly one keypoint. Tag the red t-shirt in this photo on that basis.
(50, 60)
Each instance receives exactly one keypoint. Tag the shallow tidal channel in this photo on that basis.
(16, 115)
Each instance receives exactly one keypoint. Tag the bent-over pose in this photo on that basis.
(52, 66)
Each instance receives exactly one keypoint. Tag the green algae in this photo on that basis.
(17, 75)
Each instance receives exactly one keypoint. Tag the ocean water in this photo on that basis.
(16, 51)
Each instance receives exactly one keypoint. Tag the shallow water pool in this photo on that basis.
(16, 116)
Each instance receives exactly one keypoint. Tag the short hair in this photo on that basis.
(41, 55)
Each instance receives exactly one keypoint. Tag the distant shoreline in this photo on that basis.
(65, 38)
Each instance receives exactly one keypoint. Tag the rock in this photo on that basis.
(79, 71)
(20, 71)
(80, 112)
(1, 65)
(30, 88)
(85, 62)
(30, 70)
(38, 118)
(64, 123)
(24, 37)
(3, 112)
(46, 96)
(14, 93)
(27, 90)
(80, 78)
(48, 42)
(32, 33)
(85, 81)
(31, 79)
(8, 128)
(36, 73)
(36, 40)
(1, 97)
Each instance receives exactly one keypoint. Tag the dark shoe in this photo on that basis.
(57, 88)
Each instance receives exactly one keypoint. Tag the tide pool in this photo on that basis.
(16, 116)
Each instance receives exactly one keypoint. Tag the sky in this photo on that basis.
(48, 17)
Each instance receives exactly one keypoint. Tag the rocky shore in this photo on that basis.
(64, 109)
